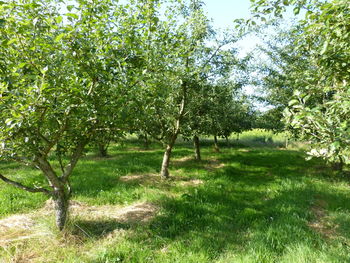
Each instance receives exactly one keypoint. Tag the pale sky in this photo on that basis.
(224, 12)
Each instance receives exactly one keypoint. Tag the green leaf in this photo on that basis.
(70, 7)
(72, 15)
(296, 10)
(336, 145)
(11, 41)
(325, 47)
(293, 102)
(59, 37)
(58, 19)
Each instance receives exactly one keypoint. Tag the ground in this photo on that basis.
(248, 203)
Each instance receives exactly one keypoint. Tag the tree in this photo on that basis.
(60, 84)
(319, 110)
(177, 63)
(216, 97)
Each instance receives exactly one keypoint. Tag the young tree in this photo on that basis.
(177, 60)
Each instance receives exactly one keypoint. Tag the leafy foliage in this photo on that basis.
(317, 73)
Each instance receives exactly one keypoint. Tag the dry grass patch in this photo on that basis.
(321, 224)
(19, 228)
(184, 159)
(136, 213)
(145, 179)
(153, 179)
(192, 182)
(214, 164)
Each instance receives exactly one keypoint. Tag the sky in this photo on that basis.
(224, 12)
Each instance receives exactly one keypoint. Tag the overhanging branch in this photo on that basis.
(23, 187)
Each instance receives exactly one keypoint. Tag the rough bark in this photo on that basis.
(61, 200)
(197, 151)
(216, 146)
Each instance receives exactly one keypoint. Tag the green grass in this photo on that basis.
(257, 204)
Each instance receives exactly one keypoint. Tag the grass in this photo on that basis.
(254, 203)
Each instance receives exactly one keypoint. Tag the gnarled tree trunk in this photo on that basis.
(197, 151)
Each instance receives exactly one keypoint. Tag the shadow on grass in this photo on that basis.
(95, 229)
(263, 205)
(258, 202)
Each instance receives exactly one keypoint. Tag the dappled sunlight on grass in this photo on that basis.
(244, 204)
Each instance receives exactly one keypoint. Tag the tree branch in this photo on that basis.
(23, 187)
(74, 159)
(56, 138)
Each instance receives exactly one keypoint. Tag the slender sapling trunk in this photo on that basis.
(146, 142)
(164, 172)
(287, 142)
(216, 146)
(197, 151)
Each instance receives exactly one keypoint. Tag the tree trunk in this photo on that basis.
(237, 138)
(103, 150)
(216, 146)
(287, 142)
(227, 141)
(338, 166)
(146, 142)
(197, 151)
(164, 172)
(61, 200)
